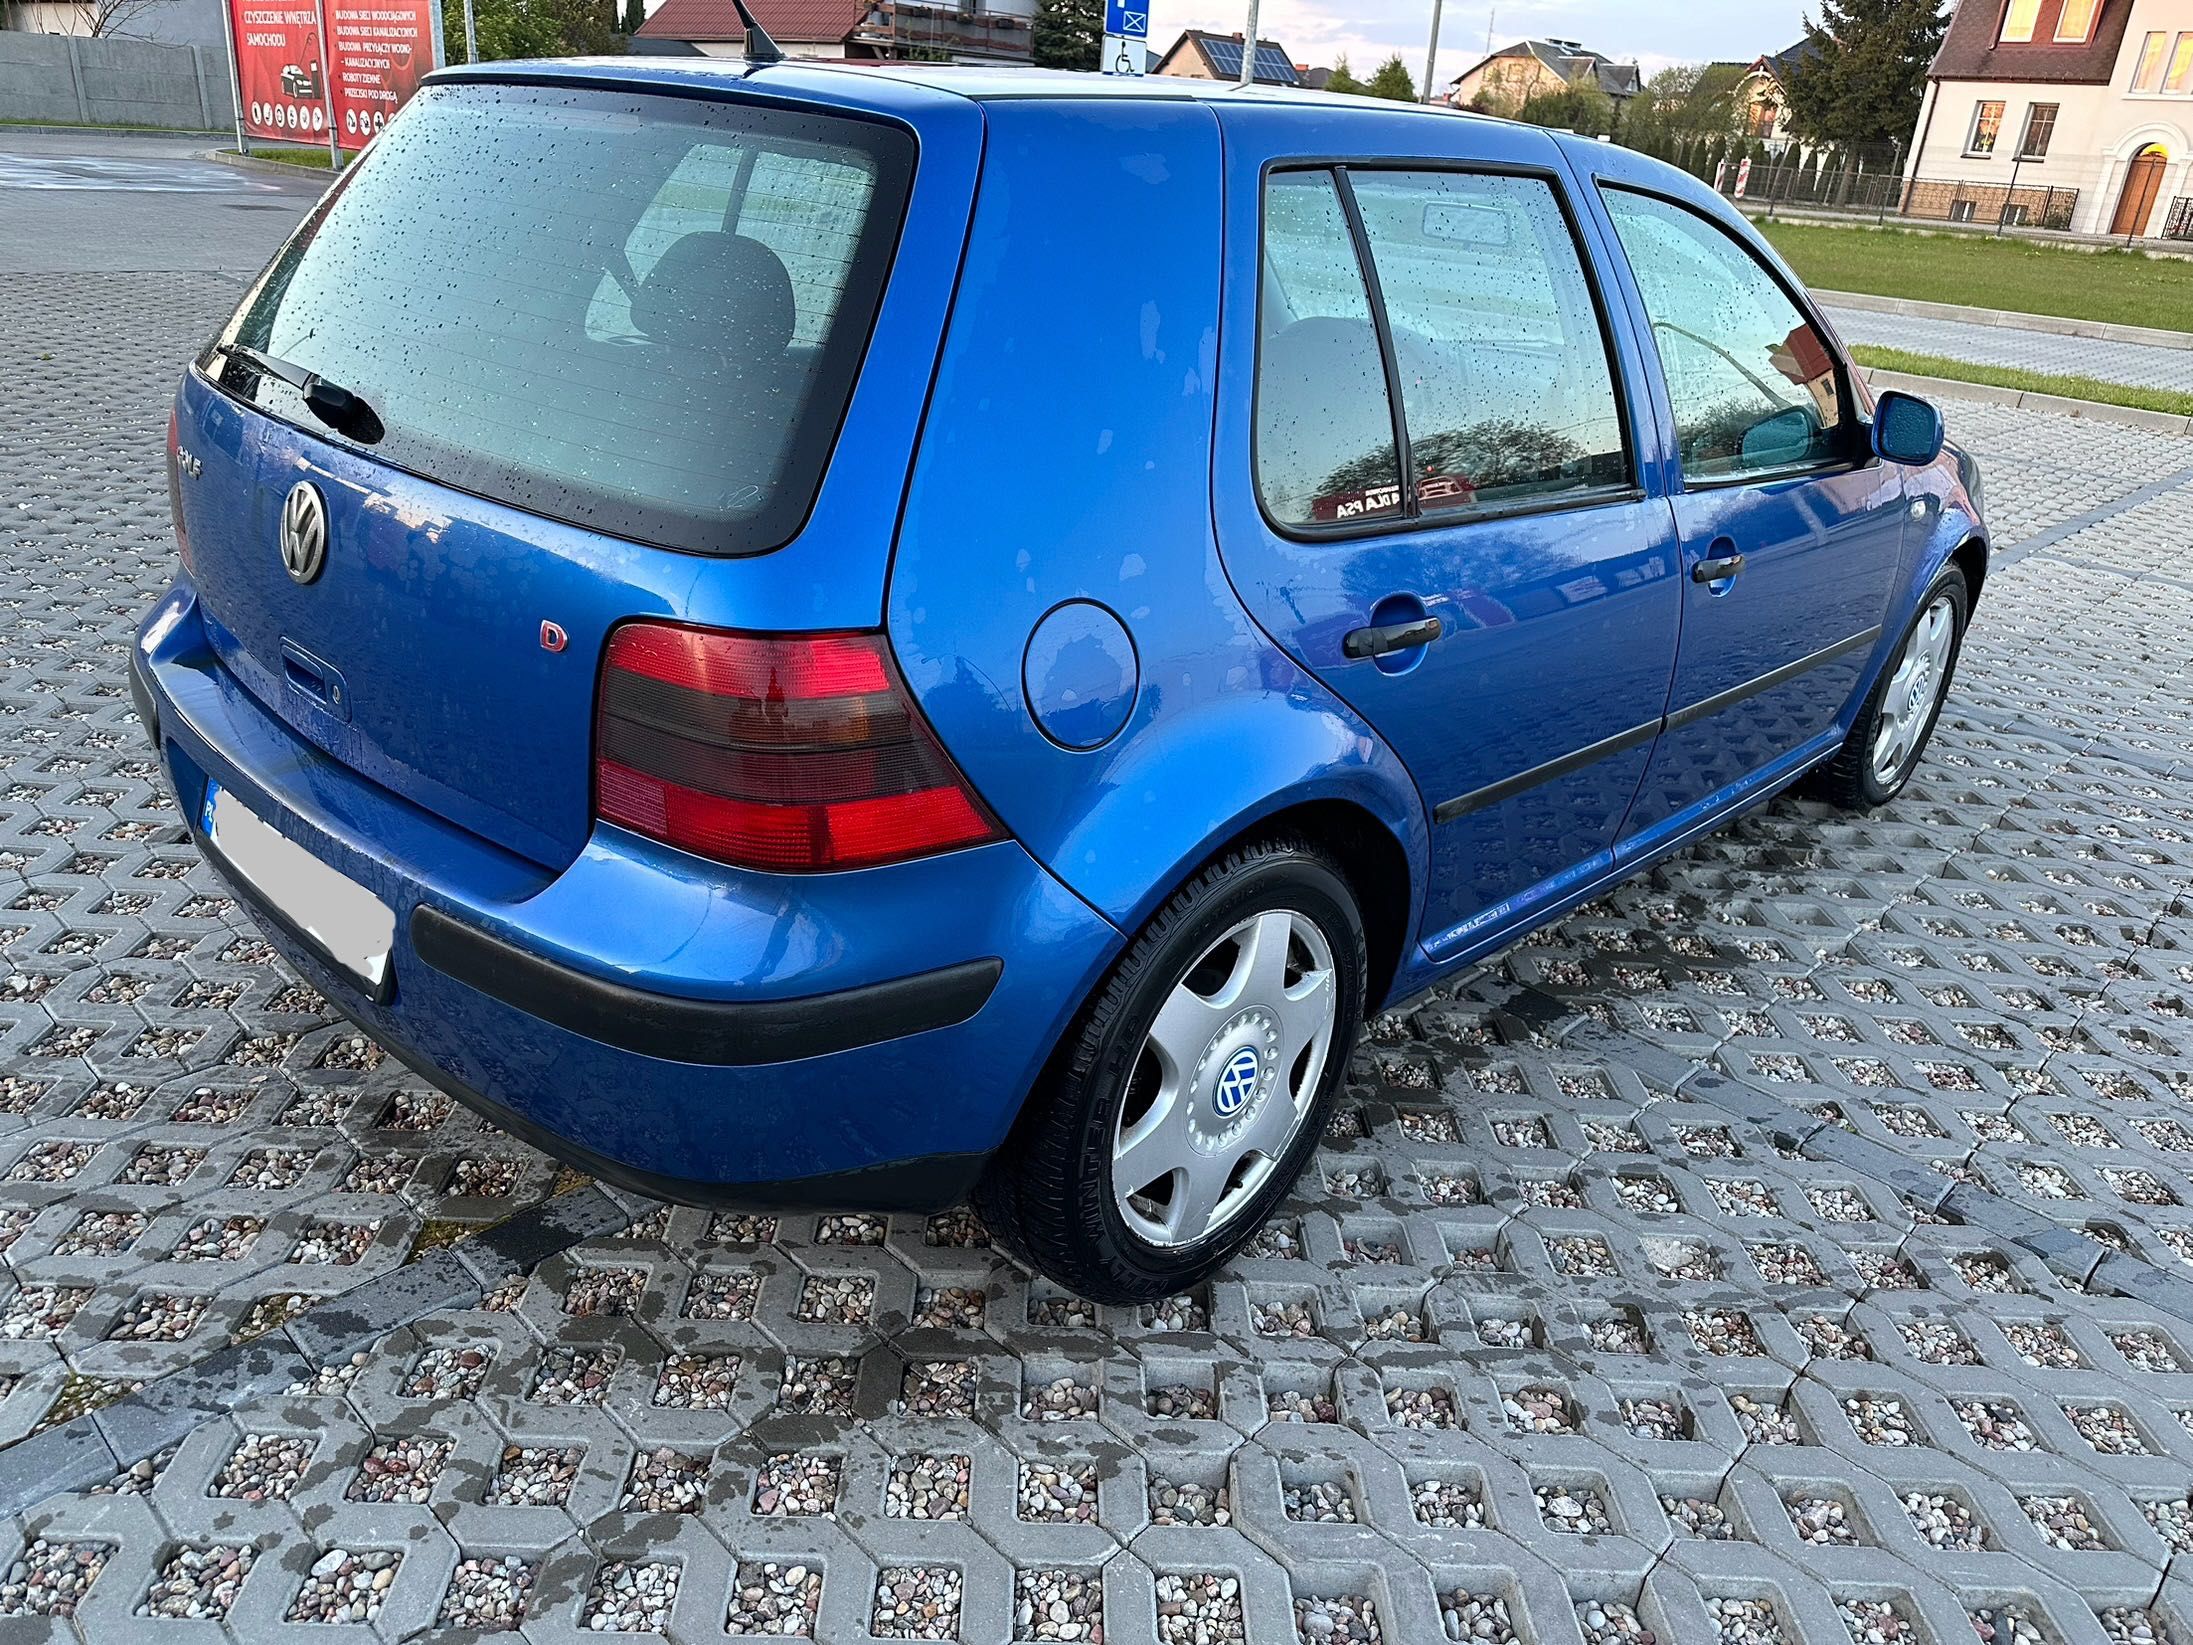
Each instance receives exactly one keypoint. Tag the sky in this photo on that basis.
(1656, 33)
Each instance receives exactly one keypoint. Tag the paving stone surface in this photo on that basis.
(1543, 1350)
(2140, 365)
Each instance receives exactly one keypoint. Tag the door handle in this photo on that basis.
(1384, 642)
(1716, 571)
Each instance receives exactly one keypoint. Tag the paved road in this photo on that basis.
(2136, 363)
(117, 204)
(1607, 1307)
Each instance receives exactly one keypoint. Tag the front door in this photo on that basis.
(1792, 531)
(2143, 185)
(1441, 436)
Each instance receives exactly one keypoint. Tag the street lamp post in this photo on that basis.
(1248, 47)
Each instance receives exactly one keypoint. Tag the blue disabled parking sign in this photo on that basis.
(1127, 19)
(1126, 36)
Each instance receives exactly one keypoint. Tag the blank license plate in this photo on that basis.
(353, 926)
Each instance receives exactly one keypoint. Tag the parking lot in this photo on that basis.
(1794, 1246)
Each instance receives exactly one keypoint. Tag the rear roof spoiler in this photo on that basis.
(759, 47)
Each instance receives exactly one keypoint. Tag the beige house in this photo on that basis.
(2074, 114)
(1201, 55)
(1509, 78)
(1762, 95)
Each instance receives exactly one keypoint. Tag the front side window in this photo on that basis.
(2018, 19)
(1756, 389)
(1325, 451)
(1506, 387)
(640, 314)
(2040, 130)
(2075, 23)
(2149, 75)
(1987, 126)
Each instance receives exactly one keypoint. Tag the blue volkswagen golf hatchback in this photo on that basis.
(828, 636)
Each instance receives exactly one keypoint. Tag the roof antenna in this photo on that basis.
(759, 47)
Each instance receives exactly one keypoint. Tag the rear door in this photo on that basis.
(1791, 529)
(615, 339)
(1444, 433)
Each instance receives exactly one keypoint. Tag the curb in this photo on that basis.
(251, 162)
(1950, 388)
(1912, 308)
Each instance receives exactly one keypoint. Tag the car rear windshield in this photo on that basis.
(641, 314)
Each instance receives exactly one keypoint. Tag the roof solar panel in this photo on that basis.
(1272, 65)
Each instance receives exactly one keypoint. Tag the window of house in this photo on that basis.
(2040, 127)
(2180, 77)
(2075, 22)
(2149, 74)
(1756, 390)
(2019, 18)
(1987, 126)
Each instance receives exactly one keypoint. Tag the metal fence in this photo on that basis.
(1883, 194)
(2179, 224)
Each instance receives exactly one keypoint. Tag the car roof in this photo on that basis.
(839, 81)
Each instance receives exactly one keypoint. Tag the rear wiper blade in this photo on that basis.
(333, 404)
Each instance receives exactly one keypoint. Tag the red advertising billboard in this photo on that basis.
(376, 53)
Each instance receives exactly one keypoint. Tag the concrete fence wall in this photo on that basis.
(72, 80)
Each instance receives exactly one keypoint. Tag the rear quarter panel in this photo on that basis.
(1067, 456)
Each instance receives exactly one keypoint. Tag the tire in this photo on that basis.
(1855, 779)
(1050, 1195)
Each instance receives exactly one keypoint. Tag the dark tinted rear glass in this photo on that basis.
(642, 314)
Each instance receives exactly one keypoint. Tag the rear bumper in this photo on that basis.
(696, 1032)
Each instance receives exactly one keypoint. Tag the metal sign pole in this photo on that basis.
(1431, 54)
(1248, 47)
(327, 94)
(235, 80)
(471, 34)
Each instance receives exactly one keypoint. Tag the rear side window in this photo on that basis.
(1324, 424)
(1504, 373)
(640, 314)
(1756, 389)
(1476, 305)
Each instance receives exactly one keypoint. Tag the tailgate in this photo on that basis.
(613, 341)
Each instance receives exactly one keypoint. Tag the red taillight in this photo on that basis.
(784, 752)
(175, 490)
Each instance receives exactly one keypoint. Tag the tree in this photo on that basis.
(1343, 80)
(535, 28)
(1069, 34)
(635, 13)
(1680, 105)
(1867, 76)
(1583, 109)
(1392, 81)
(114, 17)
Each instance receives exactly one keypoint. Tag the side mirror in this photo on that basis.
(1907, 430)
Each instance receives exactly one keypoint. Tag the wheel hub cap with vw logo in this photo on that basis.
(1236, 1073)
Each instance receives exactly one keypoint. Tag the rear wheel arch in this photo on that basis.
(1370, 856)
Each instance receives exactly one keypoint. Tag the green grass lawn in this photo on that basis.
(2119, 287)
(2031, 382)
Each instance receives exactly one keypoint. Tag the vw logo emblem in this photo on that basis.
(304, 532)
(1237, 1084)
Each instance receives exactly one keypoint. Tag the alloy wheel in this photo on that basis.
(1921, 676)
